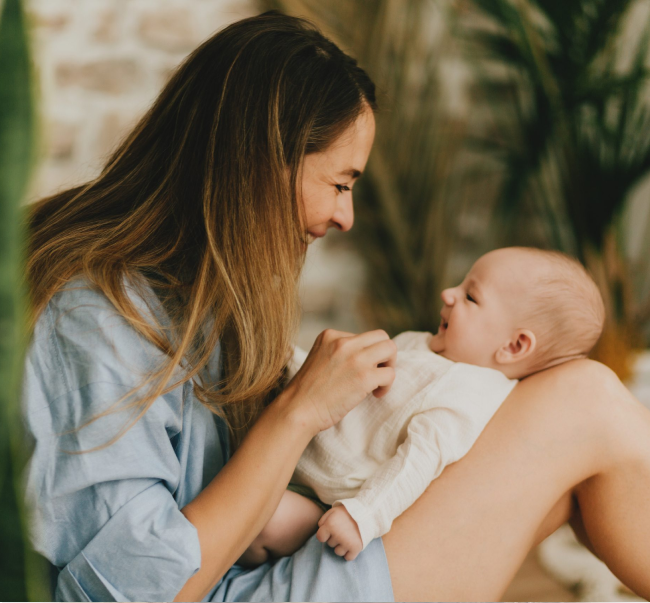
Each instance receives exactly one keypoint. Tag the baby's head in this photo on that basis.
(520, 310)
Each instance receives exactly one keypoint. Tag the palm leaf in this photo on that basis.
(19, 569)
(578, 142)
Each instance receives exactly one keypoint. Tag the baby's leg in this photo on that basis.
(293, 522)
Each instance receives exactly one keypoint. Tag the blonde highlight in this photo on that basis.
(200, 204)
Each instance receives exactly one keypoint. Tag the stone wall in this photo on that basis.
(100, 64)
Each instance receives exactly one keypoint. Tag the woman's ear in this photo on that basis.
(519, 348)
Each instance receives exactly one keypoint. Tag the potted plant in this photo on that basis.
(571, 130)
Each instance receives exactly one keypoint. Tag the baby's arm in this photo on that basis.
(293, 522)
(466, 398)
(399, 482)
(385, 495)
(352, 523)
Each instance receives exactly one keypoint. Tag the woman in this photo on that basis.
(166, 289)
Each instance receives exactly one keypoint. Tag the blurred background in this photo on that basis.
(501, 122)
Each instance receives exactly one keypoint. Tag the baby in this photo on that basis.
(518, 311)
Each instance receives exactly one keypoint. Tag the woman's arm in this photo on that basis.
(232, 510)
(228, 514)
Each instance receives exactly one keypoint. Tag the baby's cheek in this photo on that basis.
(461, 345)
(435, 344)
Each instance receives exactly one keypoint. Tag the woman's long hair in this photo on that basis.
(200, 202)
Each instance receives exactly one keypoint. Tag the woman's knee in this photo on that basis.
(607, 397)
(608, 412)
(579, 409)
(585, 374)
(587, 387)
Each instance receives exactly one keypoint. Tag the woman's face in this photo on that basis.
(328, 178)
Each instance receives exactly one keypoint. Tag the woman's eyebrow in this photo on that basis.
(354, 173)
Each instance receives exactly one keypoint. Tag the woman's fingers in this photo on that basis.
(328, 336)
(382, 356)
(385, 378)
(371, 337)
(348, 344)
(383, 352)
(383, 389)
(331, 334)
(340, 370)
(372, 358)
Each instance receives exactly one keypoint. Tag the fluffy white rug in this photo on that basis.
(571, 563)
(576, 568)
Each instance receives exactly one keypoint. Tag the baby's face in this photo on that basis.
(480, 315)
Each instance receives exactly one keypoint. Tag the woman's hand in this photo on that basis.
(340, 371)
(341, 532)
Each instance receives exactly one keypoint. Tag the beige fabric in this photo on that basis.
(385, 452)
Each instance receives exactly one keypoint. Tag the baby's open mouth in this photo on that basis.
(443, 324)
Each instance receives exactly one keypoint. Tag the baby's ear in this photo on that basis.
(519, 348)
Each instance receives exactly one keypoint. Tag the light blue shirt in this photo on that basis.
(110, 519)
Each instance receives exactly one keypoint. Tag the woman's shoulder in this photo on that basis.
(81, 339)
(130, 470)
(80, 305)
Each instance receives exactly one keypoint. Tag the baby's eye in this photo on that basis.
(342, 188)
(470, 298)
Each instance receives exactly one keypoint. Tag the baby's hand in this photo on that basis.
(340, 531)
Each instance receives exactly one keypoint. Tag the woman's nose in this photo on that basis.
(343, 217)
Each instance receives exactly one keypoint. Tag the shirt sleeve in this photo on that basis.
(106, 518)
(466, 398)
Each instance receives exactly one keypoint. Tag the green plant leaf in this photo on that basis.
(574, 133)
(16, 144)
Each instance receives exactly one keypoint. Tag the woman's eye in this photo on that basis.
(342, 188)
(470, 298)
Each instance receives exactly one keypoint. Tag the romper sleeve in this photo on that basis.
(466, 398)
(297, 360)
(107, 518)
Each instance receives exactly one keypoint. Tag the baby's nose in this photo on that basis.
(448, 297)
